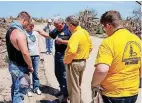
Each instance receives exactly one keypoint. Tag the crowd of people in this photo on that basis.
(117, 65)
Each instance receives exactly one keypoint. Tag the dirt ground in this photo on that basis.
(48, 82)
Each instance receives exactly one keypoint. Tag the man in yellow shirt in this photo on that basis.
(78, 50)
(118, 62)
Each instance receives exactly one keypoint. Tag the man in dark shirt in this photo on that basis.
(61, 34)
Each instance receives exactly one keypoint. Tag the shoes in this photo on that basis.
(65, 100)
(38, 92)
(30, 94)
(49, 53)
(59, 94)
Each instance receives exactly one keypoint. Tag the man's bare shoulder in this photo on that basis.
(18, 33)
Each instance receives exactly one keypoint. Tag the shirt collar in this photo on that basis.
(77, 28)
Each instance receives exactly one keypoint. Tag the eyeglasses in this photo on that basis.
(104, 26)
(67, 24)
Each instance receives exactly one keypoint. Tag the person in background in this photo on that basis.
(118, 62)
(20, 63)
(61, 34)
(49, 41)
(78, 50)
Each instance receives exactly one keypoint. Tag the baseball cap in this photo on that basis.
(49, 20)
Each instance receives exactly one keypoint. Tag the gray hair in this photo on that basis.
(58, 20)
(72, 20)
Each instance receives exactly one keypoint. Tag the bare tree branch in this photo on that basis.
(139, 2)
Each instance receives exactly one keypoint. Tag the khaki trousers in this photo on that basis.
(74, 78)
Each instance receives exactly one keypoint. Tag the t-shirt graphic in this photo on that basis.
(131, 53)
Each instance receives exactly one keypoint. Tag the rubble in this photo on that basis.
(4, 24)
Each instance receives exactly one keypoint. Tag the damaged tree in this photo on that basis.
(134, 23)
(89, 21)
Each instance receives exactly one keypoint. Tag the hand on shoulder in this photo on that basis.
(39, 30)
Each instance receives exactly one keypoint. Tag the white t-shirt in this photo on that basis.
(33, 45)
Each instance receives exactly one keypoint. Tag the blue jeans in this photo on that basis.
(49, 45)
(17, 90)
(35, 63)
(60, 72)
(131, 99)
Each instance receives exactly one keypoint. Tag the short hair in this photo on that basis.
(24, 15)
(58, 20)
(112, 17)
(72, 20)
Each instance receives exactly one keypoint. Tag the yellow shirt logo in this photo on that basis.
(131, 53)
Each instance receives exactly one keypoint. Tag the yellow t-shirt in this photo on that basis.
(79, 45)
(121, 51)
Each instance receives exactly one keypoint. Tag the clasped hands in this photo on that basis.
(59, 41)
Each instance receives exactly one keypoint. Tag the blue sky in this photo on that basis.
(49, 9)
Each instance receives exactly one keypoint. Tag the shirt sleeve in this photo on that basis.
(104, 55)
(91, 46)
(46, 29)
(53, 34)
(90, 41)
(71, 49)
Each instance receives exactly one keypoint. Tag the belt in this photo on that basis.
(76, 60)
(59, 52)
(35, 56)
(43, 52)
